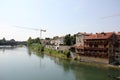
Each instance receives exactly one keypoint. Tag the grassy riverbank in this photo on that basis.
(51, 52)
(39, 48)
(56, 53)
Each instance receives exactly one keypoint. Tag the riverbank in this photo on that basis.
(37, 47)
(56, 53)
(64, 55)
(51, 52)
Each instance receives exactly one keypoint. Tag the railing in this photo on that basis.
(95, 48)
(96, 42)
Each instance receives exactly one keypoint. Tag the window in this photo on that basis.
(96, 46)
(117, 57)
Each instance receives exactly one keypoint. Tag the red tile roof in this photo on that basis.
(83, 33)
(100, 35)
(118, 34)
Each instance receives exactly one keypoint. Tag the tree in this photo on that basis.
(69, 40)
(73, 39)
(47, 38)
(29, 41)
(4, 40)
(37, 40)
(56, 37)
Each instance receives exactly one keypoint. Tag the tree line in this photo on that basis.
(31, 41)
(11, 42)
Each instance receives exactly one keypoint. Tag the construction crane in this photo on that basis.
(41, 30)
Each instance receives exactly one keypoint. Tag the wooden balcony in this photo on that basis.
(95, 48)
(96, 54)
(96, 42)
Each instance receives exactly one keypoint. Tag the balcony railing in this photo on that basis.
(95, 48)
(96, 42)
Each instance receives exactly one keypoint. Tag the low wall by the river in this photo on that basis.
(93, 59)
(58, 47)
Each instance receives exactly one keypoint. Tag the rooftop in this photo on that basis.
(102, 35)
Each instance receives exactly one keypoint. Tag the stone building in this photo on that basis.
(99, 47)
(117, 49)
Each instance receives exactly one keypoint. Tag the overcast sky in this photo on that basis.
(58, 17)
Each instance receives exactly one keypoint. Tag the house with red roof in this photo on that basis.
(99, 47)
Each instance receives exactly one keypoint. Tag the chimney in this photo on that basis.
(96, 35)
(103, 33)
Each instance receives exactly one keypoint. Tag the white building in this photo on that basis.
(80, 38)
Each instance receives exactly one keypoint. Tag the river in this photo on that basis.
(22, 64)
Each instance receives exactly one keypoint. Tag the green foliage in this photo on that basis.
(32, 41)
(36, 40)
(73, 39)
(56, 37)
(56, 53)
(69, 40)
(47, 38)
(37, 47)
(29, 42)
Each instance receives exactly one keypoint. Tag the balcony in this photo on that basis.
(95, 48)
(96, 42)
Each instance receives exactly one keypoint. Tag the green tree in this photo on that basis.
(56, 37)
(29, 41)
(69, 40)
(47, 38)
(37, 40)
(73, 39)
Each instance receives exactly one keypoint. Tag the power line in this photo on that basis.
(28, 28)
(41, 30)
(110, 16)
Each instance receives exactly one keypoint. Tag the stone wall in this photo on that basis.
(93, 59)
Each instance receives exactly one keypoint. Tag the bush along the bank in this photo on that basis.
(57, 53)
(37, 47)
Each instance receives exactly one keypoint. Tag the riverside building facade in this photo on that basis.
(100, 47)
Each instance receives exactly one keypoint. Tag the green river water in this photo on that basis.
(22, 64)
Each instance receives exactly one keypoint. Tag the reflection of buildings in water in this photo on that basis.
(86, 72)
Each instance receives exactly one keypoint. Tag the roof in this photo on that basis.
(118, 34)
(83, 33)
(100, 35)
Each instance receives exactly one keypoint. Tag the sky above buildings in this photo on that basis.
(58, 17)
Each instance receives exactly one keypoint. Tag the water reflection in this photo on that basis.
(29, 65)
(85, 72)
(3, 48)
(29, 51)
(39, 54)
